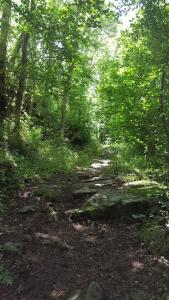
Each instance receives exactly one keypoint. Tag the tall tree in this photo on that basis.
(5, 25)
(22, 78)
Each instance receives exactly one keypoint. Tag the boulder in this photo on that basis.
(94, 292)
(111, 204)
(83, 192)
(27, 209)
(48, 192)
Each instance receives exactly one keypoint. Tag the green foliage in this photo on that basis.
(133, 96)
(5, 276)
(28, 156)
(126, 160)
(156, 238)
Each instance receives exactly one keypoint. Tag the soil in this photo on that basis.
(58, 256)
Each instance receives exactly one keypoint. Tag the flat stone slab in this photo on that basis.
(111, 204)
(139, 183)
(85, 191)
(47, 239)
(27, 209)
(99, 164)
(49, 192)
(103, 183)
(94, 179)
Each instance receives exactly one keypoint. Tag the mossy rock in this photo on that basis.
(12, 248)
(149, 191)
(48, 192)
(112, 205)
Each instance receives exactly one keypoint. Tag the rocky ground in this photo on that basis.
(57, 237)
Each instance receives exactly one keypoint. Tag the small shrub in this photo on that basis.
(156, 238)
(5, 276)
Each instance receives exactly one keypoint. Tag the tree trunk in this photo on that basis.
(162, 106)
(22, 79)
(16, 50)
(65, 98)
(64, 106)
(5, 24)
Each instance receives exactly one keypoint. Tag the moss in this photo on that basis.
(151, 191)
(48, 193)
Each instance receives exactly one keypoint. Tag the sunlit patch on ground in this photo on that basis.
(101, 164)
(57, 294)
(137, 266)
(79, 227)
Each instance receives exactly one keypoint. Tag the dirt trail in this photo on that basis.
(56, 256)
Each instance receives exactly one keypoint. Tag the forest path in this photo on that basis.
(50, 255)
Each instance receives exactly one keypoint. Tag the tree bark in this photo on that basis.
(22, 78)
(67, 85)
(5, 25)
(162, 105)
(16, 50)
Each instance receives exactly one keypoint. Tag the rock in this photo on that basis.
(103, 199)
(88, 173)
(48, 192)
(12, 248)
(27, 238)
(48, 209)
(140, 183)
(95, 292)
(99, 164)
(98, 183)
(93, 179)
(53, 215)
(47, 239)
(111, 204)
(103, 183)
(77, 295)
(85, 191)
(27, 209)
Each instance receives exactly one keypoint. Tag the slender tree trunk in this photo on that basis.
(32, 83)
(162, 106)
(22, 79)
(5, 24)
(16, 50)
(64, 106)
(65, 99)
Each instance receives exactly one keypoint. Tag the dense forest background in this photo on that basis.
(71, 81)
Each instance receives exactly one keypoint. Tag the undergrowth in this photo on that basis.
(5, 276)
(131, 165)
(156, 238)
(27, 156)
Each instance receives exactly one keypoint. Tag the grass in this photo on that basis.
(132, 166)
(28, 156)
(156, 238)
